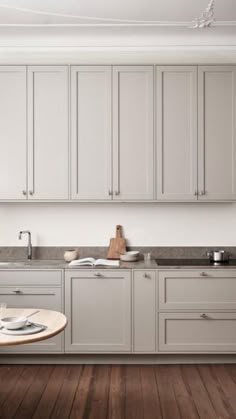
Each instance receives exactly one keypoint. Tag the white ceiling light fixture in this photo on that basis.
(206, 19)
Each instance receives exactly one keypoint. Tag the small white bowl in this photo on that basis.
(13, 323)
(131, 256)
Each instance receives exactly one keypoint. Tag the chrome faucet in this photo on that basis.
(29, 248)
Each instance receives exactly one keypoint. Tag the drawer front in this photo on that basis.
(144, 311)
(96, 273)
(31, 277)
(32, 297)
(196, 332)
(197, 290)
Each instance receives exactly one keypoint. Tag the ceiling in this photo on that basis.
(67, 12)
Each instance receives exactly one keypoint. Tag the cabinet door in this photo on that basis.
(13, 177)
(145, 313)
(98, 308)
(133, 133)
(197, 332)
(91, 132)
(48, 142)
(176, 130)
(217, 132)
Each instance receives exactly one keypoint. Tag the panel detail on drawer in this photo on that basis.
(197, 290)
(30, 277)
(197, 332)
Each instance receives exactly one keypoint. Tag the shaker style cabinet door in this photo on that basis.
(176, 132)
(98, 308)
(217, 132)
(91, 140)
(13, 176)
(48, 140)
(133, 144)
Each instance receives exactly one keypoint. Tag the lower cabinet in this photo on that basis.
(144, 311)
(197, 332)
(98, 309)
(33, 289)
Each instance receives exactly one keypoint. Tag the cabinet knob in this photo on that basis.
(196, 193)
(202, 193)
(31, 193)
(203, 315)
(110, 193)
(98, 274)
(117, 193)
(23, 192)
(146, 275)
(203, 274)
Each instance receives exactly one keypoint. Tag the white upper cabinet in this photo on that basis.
(217, 132)
(48, 143)
(176, 132)
(13, 177)
(133, 133)
(91, 140)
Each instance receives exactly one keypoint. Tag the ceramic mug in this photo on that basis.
(70, 255)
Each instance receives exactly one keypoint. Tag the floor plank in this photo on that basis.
(8, 380)
(82, 393)
(199, 393)
(34, 393)
(182, 394)
(151, 401)
(133, 393)
(169, 406)
(227, 384)
(18, 391)
(51, 392)
(116, 407)
(216, 393)
(99, 399)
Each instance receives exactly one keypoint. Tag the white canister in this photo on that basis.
(70, 255)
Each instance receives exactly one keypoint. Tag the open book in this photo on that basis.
(94, 262)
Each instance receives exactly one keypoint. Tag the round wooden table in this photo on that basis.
(55, 322)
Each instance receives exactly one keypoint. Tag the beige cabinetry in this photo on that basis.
(176, 132)
(144, 311)
(197, 311)
(48, 141)
(217, 132)
(133, 141)
(98, 308)
(91, 136)
(13, 113)
(34, 289)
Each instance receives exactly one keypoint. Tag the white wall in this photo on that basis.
(151, 224)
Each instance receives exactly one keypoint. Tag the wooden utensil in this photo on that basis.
(117, 245)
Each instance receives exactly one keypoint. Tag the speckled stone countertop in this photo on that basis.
(160, 264)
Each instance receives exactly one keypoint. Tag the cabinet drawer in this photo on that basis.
(197, 290)
(30, 277)
(196, 332)
(96, 273)
(35, 297)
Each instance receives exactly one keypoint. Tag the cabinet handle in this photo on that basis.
(31, 193)
(23, 192)
(110, 193)
(97, 274)
(117, 193)
(203, 274)
(146, 276)
(203, 315)
(196, 193)
(17, 291)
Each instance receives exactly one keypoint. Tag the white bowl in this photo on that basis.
(131, 256)
(13, 323)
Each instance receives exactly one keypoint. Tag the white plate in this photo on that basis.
(131, 256)
(27, 330)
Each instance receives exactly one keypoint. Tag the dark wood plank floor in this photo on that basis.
(118, 392)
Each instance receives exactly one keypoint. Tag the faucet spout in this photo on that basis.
(29, 246)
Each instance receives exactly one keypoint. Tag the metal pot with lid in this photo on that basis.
(218, 256)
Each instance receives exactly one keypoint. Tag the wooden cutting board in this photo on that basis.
(117, 245)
